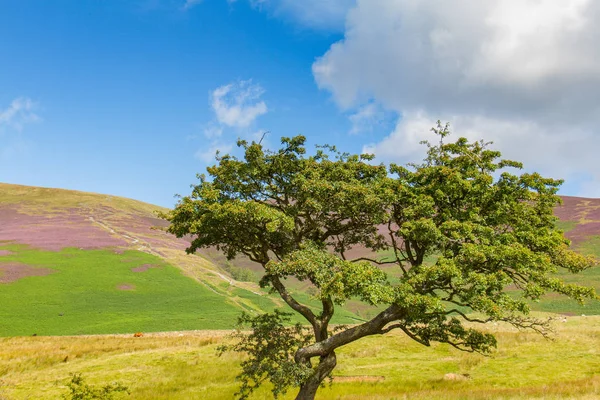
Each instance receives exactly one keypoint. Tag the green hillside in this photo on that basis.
(82, 263)
(98, 291)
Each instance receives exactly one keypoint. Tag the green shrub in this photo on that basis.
(79, 390)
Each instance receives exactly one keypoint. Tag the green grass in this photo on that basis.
(185, 366)
(82, 296)
(590, 277)
(590, 247)
(566, 226)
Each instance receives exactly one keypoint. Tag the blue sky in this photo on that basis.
(132, 98)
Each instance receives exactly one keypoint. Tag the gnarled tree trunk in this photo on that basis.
(308, 390)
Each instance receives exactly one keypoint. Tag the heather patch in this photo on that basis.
(12, 272)
(54, 232)
(145, 267)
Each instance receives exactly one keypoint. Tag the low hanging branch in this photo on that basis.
(460, 234)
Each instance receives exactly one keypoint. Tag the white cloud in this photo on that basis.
(524, 73)
(18, 113)
(566, 150)
(238, 104)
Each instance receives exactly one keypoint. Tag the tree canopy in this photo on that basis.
(461, 228)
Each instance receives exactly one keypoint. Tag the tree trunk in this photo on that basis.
(308, 390)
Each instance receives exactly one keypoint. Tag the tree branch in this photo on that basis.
(372, 327)
(287, 297)
(372, 260)
(466, 318)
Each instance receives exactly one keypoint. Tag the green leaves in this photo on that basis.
(335, 278)
(271, 344)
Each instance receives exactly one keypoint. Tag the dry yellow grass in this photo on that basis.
(184, 365)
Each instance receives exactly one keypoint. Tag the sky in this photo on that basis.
(134, 97)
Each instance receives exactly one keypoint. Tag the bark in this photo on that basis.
(308, 390)
(325, 347)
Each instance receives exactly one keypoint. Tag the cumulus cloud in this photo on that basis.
(21, 111)
(515, 138)
(238, 104)
(523, 73)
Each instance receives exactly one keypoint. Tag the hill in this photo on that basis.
(79, 263)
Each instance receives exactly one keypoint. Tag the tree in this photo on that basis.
(461, 232)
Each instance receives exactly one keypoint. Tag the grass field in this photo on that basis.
(185, 366)
(103, 291)
(591, 277)
(99, 291)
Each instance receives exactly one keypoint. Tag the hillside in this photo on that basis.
(76, 263)
(80, 263)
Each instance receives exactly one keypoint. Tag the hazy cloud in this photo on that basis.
(191, 3)
(18, 113)
(207, 155)
(316, 14)
(212, 131)
(365, 118)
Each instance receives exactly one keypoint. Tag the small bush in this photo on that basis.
(240, 274)
(79, 390)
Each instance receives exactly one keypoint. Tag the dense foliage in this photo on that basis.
(462, 230)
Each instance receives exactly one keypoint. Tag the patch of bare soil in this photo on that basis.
(456, 377)
(126, 287)
(359, 378)
(5, 253)
(145, 267)
(14, 271)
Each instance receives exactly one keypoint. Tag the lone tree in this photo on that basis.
(460, 233)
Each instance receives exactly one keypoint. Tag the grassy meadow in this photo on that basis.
(185, 366)
(103, 291)
(108, 291)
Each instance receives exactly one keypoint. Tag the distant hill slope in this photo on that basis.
(65, 254)
(80, 263)
(77, 263)
(580, 218)
(53, 219)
